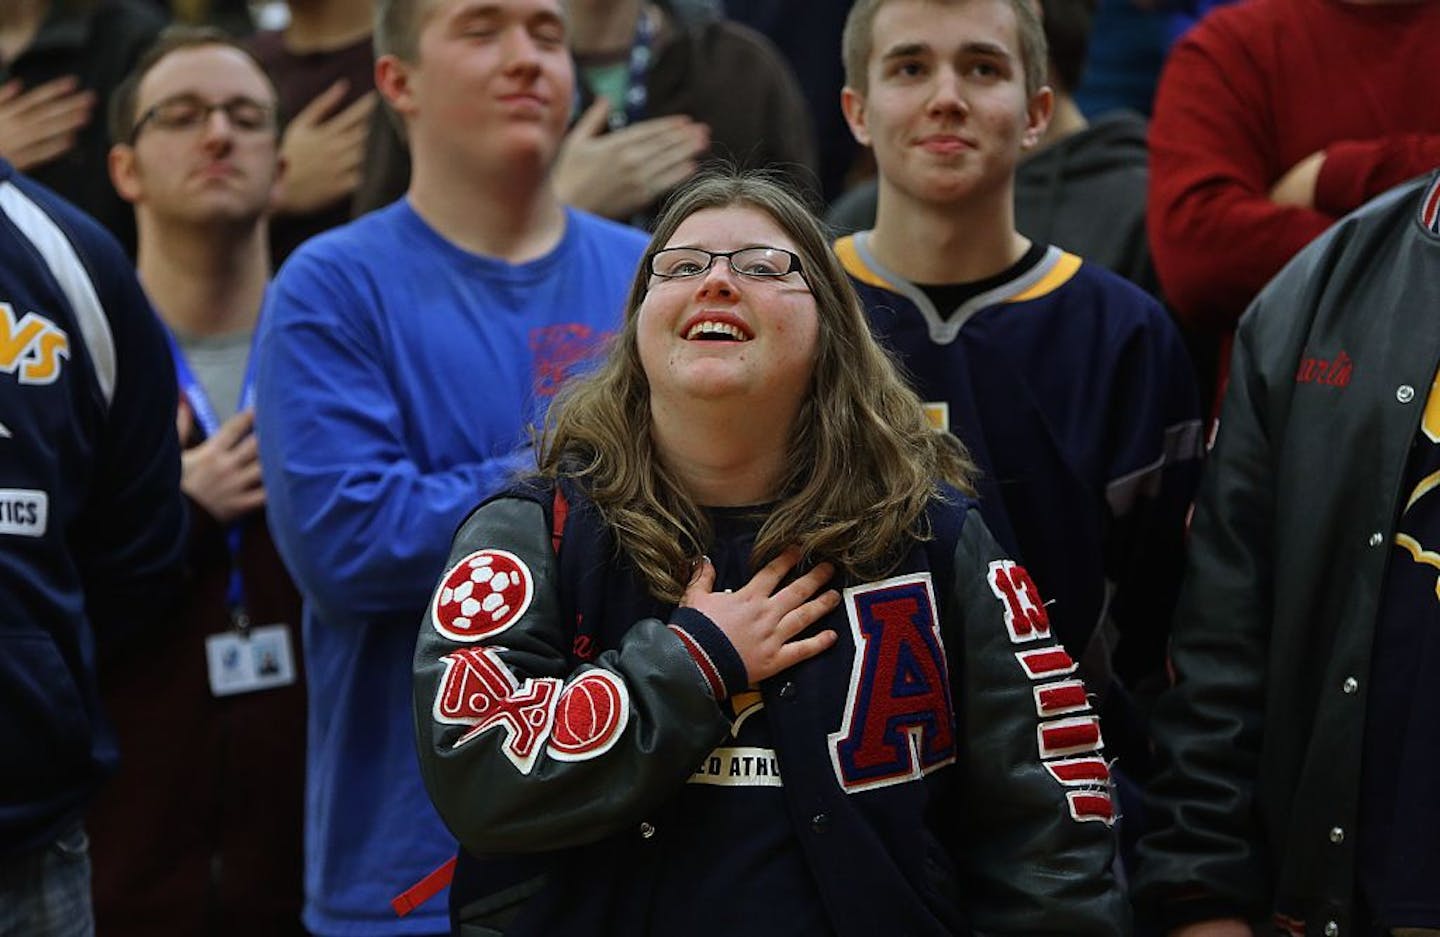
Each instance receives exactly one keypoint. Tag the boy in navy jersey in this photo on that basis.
(1069, 385)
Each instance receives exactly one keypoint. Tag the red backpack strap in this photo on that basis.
(560, 509)
(425, 889)
(435, 882)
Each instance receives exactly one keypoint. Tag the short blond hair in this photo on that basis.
(397, 27)
(858, 41)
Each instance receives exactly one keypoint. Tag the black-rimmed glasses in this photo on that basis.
(759, 263)
(188, 112)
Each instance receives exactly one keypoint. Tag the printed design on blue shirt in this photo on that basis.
(750, 762)
(899, 719)
(31, 346)
(558, 349)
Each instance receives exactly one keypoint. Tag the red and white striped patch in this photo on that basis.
(1069, 736)
(1045, 662)
(1079, 772)
(1060, 698)
(1091, 805)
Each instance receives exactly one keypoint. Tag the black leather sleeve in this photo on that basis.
(519, 750)
(1037, 843)
(1208, 726)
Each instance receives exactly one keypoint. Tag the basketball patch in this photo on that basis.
(481, 596)
(590, 716)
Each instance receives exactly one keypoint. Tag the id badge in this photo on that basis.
(253, 659)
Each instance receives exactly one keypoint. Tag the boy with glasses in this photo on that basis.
(206, 838)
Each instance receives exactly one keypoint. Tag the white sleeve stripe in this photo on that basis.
(69, 272)
(1183, 442)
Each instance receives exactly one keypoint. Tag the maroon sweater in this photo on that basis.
(1250, 92)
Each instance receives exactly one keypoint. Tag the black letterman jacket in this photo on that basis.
(1260, 741)
(554, 724)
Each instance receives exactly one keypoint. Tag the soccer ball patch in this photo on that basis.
(482, 595)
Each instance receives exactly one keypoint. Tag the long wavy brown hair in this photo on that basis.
(863, 459)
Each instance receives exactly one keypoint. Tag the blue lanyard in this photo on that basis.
(209, 421)
(637, 95)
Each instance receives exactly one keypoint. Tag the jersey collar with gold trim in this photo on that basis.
(1055, 268)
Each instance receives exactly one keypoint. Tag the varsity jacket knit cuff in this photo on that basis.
(719, 662)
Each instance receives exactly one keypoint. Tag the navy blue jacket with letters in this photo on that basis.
(942, 769)
(91, 516)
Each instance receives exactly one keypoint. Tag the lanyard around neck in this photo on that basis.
(637, 94)
(209, 420)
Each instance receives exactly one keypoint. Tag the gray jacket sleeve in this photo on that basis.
(1037, 843)
(1202, 847)
(520, 750)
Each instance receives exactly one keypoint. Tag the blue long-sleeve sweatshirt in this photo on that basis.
(397, 374)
